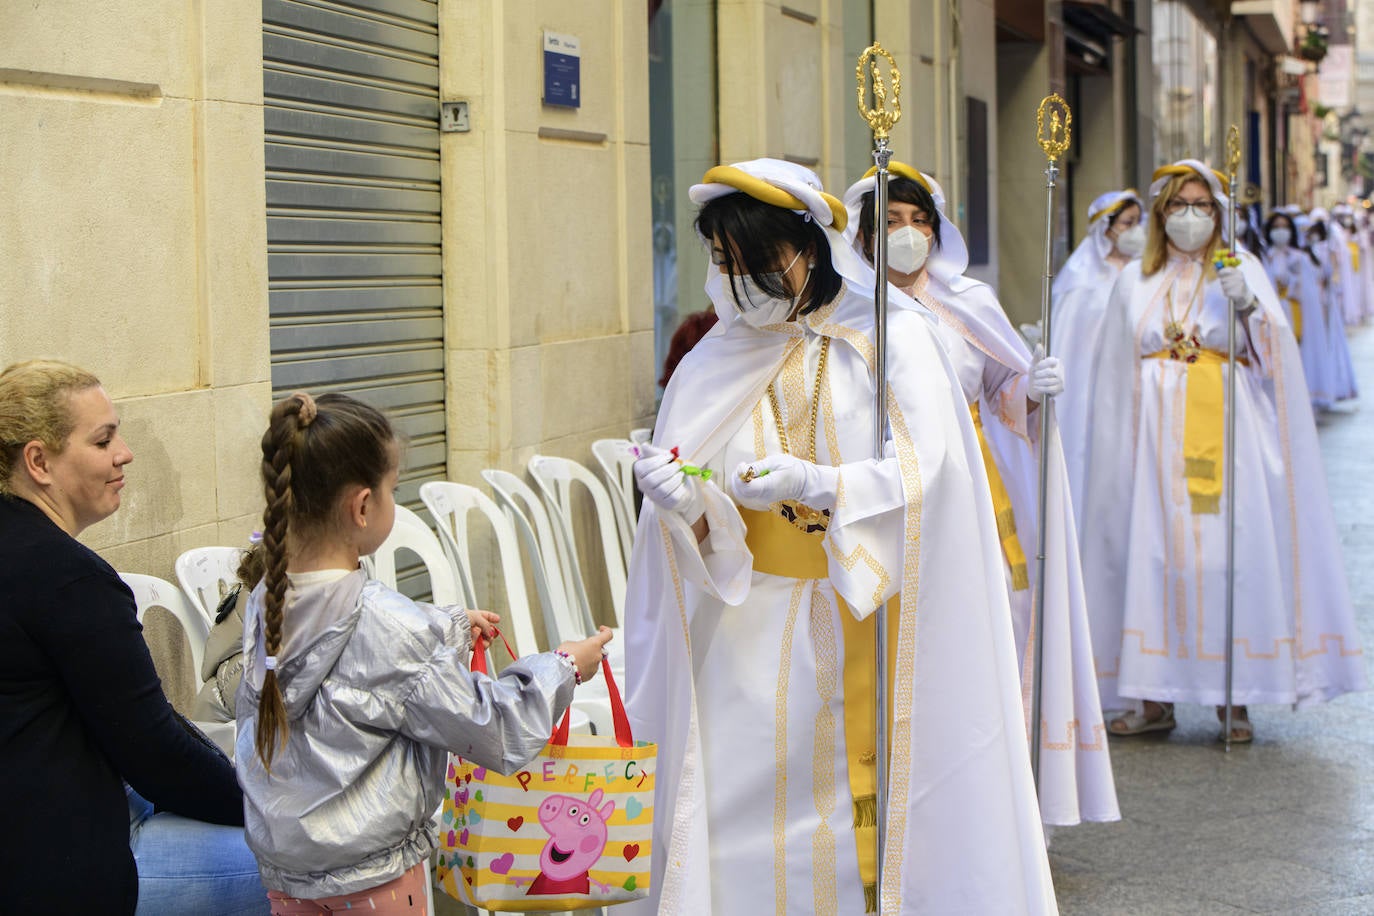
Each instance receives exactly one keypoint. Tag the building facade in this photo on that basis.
(215, 204)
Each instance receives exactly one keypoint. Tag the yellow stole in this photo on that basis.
(782, 549)
(1354, 255)
(1001, 504)
(1204, 430)
(1295, 308)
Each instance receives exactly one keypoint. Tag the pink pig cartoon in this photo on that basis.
(577, 837)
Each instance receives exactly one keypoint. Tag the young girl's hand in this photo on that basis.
(586, 653)
(483, 622)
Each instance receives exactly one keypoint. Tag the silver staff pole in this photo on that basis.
(880, 119)
(1229, 481)
(1053, 120)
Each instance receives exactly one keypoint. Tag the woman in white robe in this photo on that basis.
(1334, 259)
(1004, 386)
(1297, 279)
(1364, 234)
(1156, 567)
(749, 623)
(1356, 293)
(1116, 234)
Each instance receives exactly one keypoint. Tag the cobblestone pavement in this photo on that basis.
(1285, 825)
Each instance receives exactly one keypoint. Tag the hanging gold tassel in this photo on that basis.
(866, 811)
(871, 898)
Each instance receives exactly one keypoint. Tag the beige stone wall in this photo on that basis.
(135, 246)
(547, 259)
(786, 86)
(133, 159)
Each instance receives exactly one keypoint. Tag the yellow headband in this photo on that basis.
(773, 195)
(1174, 171)
(902, 170)
(1116, 207)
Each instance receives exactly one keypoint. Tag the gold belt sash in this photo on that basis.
(1294, 309)
(1001, 504)
(1354, 255)
(781, 549)
(1203, 427)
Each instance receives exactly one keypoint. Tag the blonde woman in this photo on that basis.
(1156, 565)
(115, 806)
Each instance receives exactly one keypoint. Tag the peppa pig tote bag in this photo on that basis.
(570, 830)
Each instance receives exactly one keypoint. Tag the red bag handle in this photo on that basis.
(479, 651)
(623, 736)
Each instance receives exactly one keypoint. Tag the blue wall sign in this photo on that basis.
(562, 70)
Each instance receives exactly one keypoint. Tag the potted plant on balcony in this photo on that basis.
(1313, 46)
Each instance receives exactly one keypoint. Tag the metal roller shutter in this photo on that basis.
(351, 109)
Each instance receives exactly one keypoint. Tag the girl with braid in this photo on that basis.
(353, 694)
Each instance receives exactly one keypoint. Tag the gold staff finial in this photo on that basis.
(879, 117)
(1055, 133)
(1233, 150)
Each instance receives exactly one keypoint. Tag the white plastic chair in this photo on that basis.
(151, 592)
(563, 617)
(450, 503)
(555, 478)
(557, 583)
(641, 435)
(617, 463)
(411, 533)
(206, 575)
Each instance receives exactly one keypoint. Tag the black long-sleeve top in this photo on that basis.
(81, 712)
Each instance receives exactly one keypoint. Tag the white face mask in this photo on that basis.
(1280, 237)
(1131, 243)
(1189, 231)
(758, 309)
(907, 250)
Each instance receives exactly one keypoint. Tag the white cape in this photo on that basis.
(1076, 781)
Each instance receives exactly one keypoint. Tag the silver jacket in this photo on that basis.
(376, 693)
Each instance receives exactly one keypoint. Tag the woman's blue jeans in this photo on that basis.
(191, 867)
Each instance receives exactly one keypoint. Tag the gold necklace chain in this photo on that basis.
(1170, 318)
(815, 404)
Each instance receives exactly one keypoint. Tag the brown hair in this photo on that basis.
(899, 190)
(1157, 244)
(35, 403)
(311, 451)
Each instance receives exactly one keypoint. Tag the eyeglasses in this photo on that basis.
(1199, 207)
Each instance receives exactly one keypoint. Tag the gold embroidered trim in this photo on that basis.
(904, 671)
(824, 862)
(780, 753)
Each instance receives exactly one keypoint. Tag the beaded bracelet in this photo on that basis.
(563, 654)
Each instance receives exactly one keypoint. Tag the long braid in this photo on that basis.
(280, 444)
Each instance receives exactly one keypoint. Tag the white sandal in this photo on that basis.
(1135, 723)
(1242, 730)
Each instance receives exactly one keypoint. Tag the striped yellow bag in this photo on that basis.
(571, 830)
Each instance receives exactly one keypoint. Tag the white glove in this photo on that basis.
(1234, 286)
(1046, 376)
(662, 482)
(786, 477)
